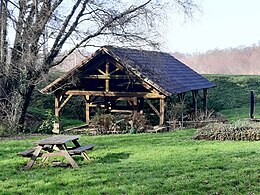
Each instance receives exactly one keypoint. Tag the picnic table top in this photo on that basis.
(57, 139)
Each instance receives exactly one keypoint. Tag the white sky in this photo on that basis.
(223, 24)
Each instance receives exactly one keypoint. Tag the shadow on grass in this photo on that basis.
(113, 157)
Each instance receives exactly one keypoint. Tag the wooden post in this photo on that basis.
(141, 106)
(107, 77)
(106, 105)
(195, 102)
(57, 105)
(87, 109)
(205, 96)
(161, 111)
(57, 127)
(182, 100)
(252, 104)
(134, 104)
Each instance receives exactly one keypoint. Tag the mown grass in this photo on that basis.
(168, 163)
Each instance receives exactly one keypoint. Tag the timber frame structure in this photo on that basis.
(113, 75)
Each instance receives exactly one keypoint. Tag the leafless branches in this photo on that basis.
(42, 28)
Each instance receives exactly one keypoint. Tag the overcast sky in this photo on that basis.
(223, 24)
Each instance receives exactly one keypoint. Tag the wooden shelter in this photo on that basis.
(121, 74)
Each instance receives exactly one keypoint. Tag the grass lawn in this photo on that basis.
(167, 163)
(241, 113)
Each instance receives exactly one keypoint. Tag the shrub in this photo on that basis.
(4, 130)
(47, 124)
(173, 111)
(241, 130)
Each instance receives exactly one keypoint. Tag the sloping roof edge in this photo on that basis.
(70, 72)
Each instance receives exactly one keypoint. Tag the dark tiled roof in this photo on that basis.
(162, 69)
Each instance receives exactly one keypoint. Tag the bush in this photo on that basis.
(47, 124)
(241, 130)
(4, 130)
(173, 111)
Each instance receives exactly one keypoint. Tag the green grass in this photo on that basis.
(232, 91)
(241, 113)
(168, 163)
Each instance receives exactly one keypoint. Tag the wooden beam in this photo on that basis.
(181, 97)
(134, 105)
(57, 126)
(123, 111)
(141, 106)
(65, 101)
(115, 94)
(112, 72)
(87, 109)
(195, 102)
(125, 99)
(101, 72)
(116, 107)
(161, 111)
(57, 105)
(107, 77)
(153, 108)
(92, 105)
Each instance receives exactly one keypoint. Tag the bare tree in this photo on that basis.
(42, 28)
(3, 42)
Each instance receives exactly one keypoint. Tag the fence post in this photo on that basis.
(252, 104)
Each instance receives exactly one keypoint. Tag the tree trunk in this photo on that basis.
(3, 45)
(24, 106)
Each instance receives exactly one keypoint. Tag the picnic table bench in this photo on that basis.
(27, 153)
(56, 146)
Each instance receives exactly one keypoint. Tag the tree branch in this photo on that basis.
(100, 30)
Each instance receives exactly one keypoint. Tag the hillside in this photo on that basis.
(239, 61)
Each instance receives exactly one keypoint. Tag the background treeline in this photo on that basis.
(238, 61)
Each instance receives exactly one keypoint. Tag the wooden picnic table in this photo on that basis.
(56, 146)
